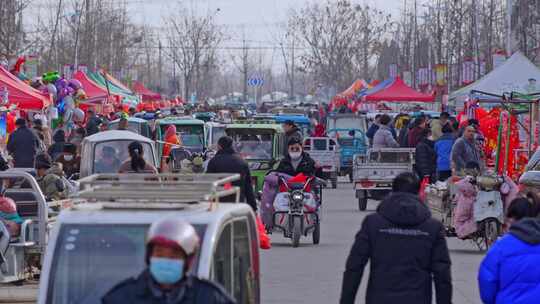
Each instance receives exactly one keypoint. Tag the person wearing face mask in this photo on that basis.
(425, 156)
(70, 159)
(297, 161)
(171, 250)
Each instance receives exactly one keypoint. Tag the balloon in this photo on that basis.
(68, 115)
(52, 90)
(78, 115)
(61, 107)
(75, 84)
(68, 102)
(51, 77)
(61, 83)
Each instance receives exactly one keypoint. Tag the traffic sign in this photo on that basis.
(255, 81)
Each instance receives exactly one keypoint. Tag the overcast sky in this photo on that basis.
(258, 17)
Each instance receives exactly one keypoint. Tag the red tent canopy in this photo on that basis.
(146, 94)
(91, 88)
(399, 91)
(21, 94)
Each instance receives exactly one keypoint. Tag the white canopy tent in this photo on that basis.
(512, 76)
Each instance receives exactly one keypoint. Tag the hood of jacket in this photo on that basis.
(404, 209)
(527, 230)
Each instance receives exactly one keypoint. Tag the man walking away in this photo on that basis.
(92, 125)
(228, 161)
(23, 145)
(407, 250)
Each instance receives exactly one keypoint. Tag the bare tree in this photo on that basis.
(193, 41)
(11, 29)
(340, 39)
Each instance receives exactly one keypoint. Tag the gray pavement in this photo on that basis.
(313, 273)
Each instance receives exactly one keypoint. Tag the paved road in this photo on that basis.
(313, 273)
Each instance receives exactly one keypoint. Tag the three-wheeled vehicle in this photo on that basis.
(488, 208)
(261, 144)
(104, 152)
(191, 132)
(137, 125)
(375, 171)
(325, 151)
(21, 255)
(349, 130)
(100, 240)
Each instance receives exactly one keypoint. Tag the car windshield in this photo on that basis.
(191, 140)
(217, 133)
(109, 155)
(91, 259)
(253, 146)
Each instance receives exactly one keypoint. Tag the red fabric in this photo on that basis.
(320, 131)
(264, 239)
(147, 95)
(91, 88)
(399, 91)
(21, 94)
(423, 185)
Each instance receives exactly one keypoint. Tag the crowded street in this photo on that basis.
(270, 152)
(289, 276)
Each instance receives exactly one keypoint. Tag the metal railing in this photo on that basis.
(157, 191)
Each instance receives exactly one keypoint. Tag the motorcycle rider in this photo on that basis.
(171, 250)
(297, 161)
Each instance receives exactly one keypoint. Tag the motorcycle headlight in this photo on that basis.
(297, 196)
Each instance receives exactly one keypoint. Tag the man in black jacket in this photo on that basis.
(406, 248)
(23, 145)
(92, 125)
(297, 161)
(228, 161)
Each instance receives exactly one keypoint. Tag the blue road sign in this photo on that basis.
(255, 81)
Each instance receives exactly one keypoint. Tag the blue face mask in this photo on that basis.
(166, 271)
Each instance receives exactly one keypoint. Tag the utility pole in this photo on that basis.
(160, 63)
(292, 71)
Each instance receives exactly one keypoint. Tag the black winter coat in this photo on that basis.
(425, 158)
(140, 291)
(92, 126)
(228, 161)
(306, 166)
(407, 252)
(23, 145)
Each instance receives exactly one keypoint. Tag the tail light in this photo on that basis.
(367, 184)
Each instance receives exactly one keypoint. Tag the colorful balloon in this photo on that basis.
(75, 84)
(78, 115)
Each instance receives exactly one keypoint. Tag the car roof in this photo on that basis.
(180, 120)
(91, 213)
(112, 135)
(296, 118)
(255, 125)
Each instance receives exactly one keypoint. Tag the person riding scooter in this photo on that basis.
(171, 250)
(297, 161)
